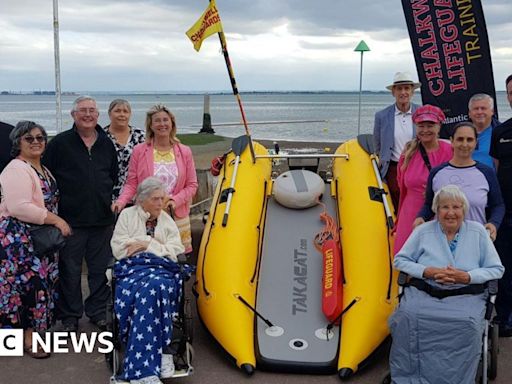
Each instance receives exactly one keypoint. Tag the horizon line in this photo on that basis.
(191, 92)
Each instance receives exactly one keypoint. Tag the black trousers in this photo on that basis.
(503, 245)
(93, 244)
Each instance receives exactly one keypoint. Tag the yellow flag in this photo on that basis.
(208, 24)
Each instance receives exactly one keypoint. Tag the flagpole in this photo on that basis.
(56, 51)
(207, 25)
(235, 91)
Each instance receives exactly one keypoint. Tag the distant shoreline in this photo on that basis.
(185, 93)
(193, 93)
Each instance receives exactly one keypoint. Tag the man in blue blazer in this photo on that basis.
(393, 128)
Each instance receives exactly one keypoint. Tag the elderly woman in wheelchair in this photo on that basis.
(146, 243)
(437, 329)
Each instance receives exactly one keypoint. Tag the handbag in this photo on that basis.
(46, 238)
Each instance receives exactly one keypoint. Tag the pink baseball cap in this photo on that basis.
(428, 113)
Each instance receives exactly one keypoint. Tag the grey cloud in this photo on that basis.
(141, 44)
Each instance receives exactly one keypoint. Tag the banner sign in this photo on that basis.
(451, 50)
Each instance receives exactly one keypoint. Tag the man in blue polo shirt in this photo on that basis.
(481, 111)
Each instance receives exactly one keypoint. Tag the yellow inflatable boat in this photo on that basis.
(260, 277)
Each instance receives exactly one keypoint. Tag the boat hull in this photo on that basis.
(228, 256)
(367, 263)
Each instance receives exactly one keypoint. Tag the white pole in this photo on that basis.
(360, 91)
(361, 47)
(56, 50)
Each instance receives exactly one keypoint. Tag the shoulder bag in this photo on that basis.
(425, 156)
(46, 238)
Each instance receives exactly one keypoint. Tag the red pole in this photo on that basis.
(235, 91)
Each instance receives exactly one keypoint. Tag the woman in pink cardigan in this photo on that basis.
(163, 156)
(29, 196)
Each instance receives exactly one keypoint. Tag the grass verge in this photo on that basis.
(199, 138)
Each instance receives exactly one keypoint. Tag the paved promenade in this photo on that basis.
(211, 365)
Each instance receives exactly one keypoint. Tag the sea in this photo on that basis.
(293, 116)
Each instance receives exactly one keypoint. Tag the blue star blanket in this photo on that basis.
(148, 292)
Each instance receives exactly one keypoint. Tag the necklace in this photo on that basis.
(163, 156)
(40, 170)
(36, 165)
(162, 153)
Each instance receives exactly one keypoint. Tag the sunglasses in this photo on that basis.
(31, 139)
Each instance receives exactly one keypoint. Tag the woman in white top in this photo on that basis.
(146, 243)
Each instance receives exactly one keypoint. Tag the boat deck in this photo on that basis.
(290, 290)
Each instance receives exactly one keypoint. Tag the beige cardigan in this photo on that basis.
(131, 226)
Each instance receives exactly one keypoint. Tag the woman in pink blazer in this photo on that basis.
(163, 156)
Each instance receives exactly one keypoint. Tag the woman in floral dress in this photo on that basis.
(29, 196)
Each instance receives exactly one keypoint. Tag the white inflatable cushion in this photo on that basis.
(298, 189)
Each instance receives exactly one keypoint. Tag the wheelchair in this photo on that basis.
(488, 364)
(181, 343)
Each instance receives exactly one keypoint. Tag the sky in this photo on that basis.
(140, 45)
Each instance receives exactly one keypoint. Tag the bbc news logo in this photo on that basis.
(11, 342)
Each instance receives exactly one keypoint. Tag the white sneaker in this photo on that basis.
(147, 380)
(167, 367)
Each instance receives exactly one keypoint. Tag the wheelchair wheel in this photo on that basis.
(192, 353)
(386, 379)
(188, 321)
(492, 371)
(116, 358)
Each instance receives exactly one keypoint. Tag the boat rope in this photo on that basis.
(329, 231)
(244, 302)
(260, 233)
(338, 219)
(390, 264)
(338, 318)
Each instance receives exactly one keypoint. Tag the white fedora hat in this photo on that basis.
(403, 78)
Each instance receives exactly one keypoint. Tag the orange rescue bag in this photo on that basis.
(332, 284)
